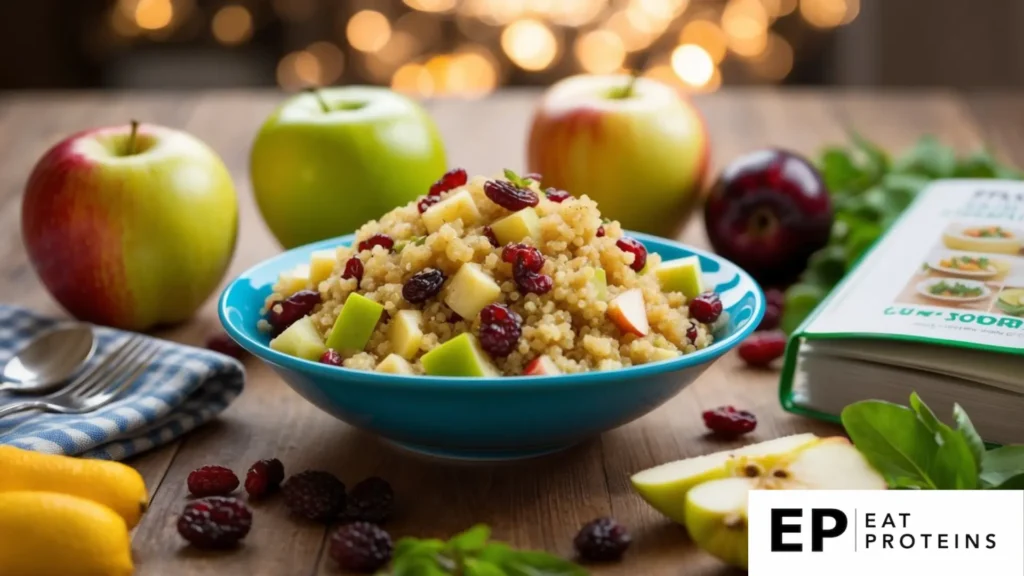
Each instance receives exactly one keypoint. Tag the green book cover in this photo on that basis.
(937, 306)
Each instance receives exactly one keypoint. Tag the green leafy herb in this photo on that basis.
(913, 449)
(471, 554)
(517, 179)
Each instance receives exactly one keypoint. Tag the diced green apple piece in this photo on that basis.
(355, 324)
(517, 226)
(629, 313)
(458, 206)
(394, 364)
(460, 356)
(291, 281)
(321, 264)
(300, 340)
(681, 275)
(600, 283)
(470, 290)
(406, 333)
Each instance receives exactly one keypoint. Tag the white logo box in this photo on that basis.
(888, 532)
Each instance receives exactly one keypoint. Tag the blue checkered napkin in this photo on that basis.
(183, 388)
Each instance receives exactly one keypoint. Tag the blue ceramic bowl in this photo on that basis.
(490, 418)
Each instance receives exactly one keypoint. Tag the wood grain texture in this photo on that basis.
(537, 504)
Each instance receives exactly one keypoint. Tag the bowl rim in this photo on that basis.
(267, 354)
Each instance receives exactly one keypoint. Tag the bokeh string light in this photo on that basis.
(469, 48)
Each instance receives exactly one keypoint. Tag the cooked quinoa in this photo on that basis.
(569, 324)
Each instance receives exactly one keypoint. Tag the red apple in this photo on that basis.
(629, 312)
(130, 228)
(541, 366)
(640, 150)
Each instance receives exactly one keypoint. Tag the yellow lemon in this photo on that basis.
(47, 533)
(112, 484)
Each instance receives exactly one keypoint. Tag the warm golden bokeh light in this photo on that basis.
(574, 13)
(662, 73)
(413, 79)
(153, 14)
(708, 36)
(431, 5)
(400, 48)
(777, 60)
(299, 70)
(693, 65)
(600, 52)
(829, 13)
(368, 31)
(232, 25)
(330, 59)
(633, 39)
(530, 44)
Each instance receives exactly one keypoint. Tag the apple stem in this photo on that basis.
(633, 75)
(319, 98)
(131, 137)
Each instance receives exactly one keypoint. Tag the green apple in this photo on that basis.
(457, 206)
(406, 333)
(395, 364)
(664, 487)
(600, 283)
(460, 356)
(326, 162)
(681, 275)
(354, 325)
(637, 147)
(517, 226)
(130, 226)
(321, 264)
(715, 512)
(301, 340)
(470, 290)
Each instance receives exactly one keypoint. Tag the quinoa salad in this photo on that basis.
(491, 277)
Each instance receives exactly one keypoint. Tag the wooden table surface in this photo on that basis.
(537, 504)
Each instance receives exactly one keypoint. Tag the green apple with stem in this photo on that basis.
(329, 160)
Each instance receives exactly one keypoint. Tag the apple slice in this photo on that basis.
(460, 356)
(517, 226)
(300, 340)
(542, 365)
(458, 206)
(406, 333)
(681, 275)
(715, 512)
(600, 283)
(664, 487)
(470, 290)
(321, 264)
(291, 281)
(629, 312)
(395, 364)
(355, 324)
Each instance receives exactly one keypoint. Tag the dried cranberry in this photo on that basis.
(762, 348)
(775, 297)
(526, 256)
(730, 422)
(635, 248)
(221, 342)
(691, 333)
(531, 282)
(315, 495)
(264, 477)
(215, 522)
(535, 176)
(331, 358)
(556, 195)
(426, 202)
(489, 233)
(600, 231)
(423, 285)
(500, 329)
(211, 481)
(772, 316)
(508, 195)
(602, 540)
(452, 179)
(372, 500)
(292, 308)
(361, 547)
(706, 307)
(387, 242)
(353, 269)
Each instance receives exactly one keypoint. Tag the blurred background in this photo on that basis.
(468, 48)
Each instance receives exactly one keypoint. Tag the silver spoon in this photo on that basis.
(48, 360)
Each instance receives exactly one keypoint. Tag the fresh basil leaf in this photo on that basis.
(954, 467)
(495, 552)
(925, 414)
(472, 540)
(476, 567)
(801, 300)
(979, 164)
(1012, 483)
(859, 241)
(838, 170)
(829, 264)
(928, 157)
(1001, 464)
(526, 563)
(877, 160)
(893, 440)
(966, 429)
(417, 566)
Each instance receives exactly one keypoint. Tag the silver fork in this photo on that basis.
(100, 384)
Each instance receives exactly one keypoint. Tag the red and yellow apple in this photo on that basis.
(130, 228)
(639, 149)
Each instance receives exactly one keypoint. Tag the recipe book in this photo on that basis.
(936, 306)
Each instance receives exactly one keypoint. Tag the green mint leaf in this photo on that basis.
(476, 567)
(829, 264)
(928, 157)
(838, 170)
(1012, 483)
(528, 563)
(472, 540)
(515, 178)
(894, 441)
(979, 164)
(411, 548)
(1001, 464)
(860, 241)
(876, 160)
(954, 467)
(925, 414)
(801, 300)
(417, 566)
(966, 429)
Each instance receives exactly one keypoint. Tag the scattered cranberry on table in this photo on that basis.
(451, 180)
(706, 308)
(602, 540)
(314, 495)
(372, 500)
(264, 478)
(729, 422)
(360, 547)
(774, 305)
(762, 348)
(215, 522)
(211, 481)
(632, 246)
(292, 309)
(221, 342)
